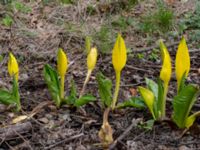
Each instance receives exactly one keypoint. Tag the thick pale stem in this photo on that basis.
(117, 85)
(62, 86)
(105, 116)
(85, 82)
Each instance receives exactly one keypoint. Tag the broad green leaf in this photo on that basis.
(132, 102)
(161, 102)
(148, 98)
(182, 64)
(84, 100)
(104, 87)
(190, 120)
(71, 99)
(6, 97)
(73, 92)
(153, 86)
(182, 104)
(52, 81)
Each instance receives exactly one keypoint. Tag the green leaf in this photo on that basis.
(104, 86)
(190, 120)
(151, 85)
(84, 100)
(182, 104)
(7, 21)
(6, 97)
(73, 92)
(161, 99)
(149, 99)
(71, 99)
(52, 81)
(182, 82)
(132, 102)
(148, 125)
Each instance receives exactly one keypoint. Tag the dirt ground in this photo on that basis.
(34, 38)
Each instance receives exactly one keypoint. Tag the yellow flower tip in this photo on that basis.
(166, 70)
(92, 58)
(13, 68)
(62, 62)
(119, 54)
(182, 63)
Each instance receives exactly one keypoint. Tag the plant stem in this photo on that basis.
(16, 92)
(105, 115)
(117, 85)
(85, 82)
(163, 106)
(62, 87)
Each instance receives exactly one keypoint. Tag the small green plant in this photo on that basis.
(122, 23)
(12, 97)
(140, 55)
(154, 55)
(55, 82)
(7, 21)
(160, 20)
(67, 1)
(6, 1)
(19, 6)
(104, 39)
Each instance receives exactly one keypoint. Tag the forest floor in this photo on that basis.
(34, 30)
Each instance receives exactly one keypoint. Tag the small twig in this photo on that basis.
(12, 130)
(64, 141)
(125, 133)
(153, 47)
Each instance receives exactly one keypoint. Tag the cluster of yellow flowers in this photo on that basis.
(153, 96)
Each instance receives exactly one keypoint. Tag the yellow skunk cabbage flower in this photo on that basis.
(13, 68)
(91, 62)
(149, 98)
(62, 66)
(92, 59)
(166, 71)
(182, 63)
(165, 75)
(62, 62)
(119, 57)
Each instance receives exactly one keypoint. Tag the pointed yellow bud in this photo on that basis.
(62, 62)
(165, 73)
(92, 59)
(62, 65)
(148, 98)
(119, 55)
(182, 61)
(13, 68)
